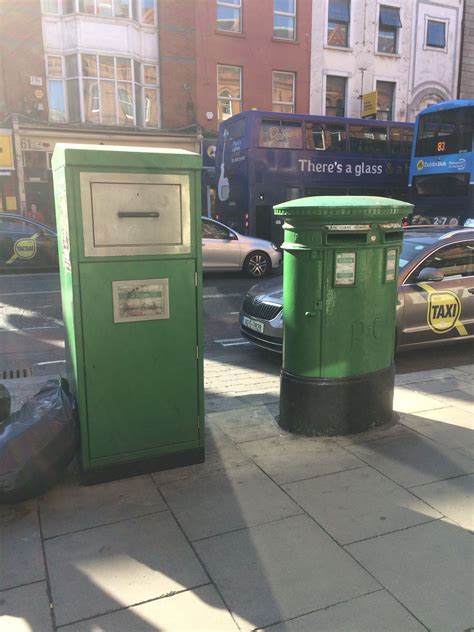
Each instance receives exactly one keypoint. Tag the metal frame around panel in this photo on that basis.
(91, 250)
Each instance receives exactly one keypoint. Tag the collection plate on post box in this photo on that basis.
(146, 299)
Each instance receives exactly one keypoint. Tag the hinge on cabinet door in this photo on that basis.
(195, 279)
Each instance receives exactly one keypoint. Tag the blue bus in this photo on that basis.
(264, 158)
(441, 181)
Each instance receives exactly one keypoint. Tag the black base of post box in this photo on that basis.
(135, 468)
(336, 406)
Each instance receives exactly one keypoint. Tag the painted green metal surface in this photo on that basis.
(139, 385)
(339, 298)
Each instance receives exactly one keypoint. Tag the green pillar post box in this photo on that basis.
(129, 236)
(339, 300)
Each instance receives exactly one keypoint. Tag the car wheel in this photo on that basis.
(257, 264)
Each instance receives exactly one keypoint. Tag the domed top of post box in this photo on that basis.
(341, 208)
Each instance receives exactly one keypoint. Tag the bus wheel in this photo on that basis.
(257, 264)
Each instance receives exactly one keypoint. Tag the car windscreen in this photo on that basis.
(413, 246)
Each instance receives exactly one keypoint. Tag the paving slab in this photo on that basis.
(291, 458)
(377, 612)
(281, 570)
(227, 500)
(425, 376)
(25, 609)
(443, 385)
(221, 453)
(409, 400)
(359, 504)
(215, 404)
(428, 568)
(199, 610)
(458, 398)
(106, 568)
(21, 554)
(248, 424)
(72, 507)
(451, 427)
(453, 498)
(411, 460)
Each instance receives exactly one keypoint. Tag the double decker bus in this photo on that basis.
(441, 180)
(264, 158)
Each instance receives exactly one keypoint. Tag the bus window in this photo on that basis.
(445, 132)
(315, 136)
(442, 184)
(368, 140)
(395, 139)
(407, 141)
(235, 129)
(326, 137)
(282, 134)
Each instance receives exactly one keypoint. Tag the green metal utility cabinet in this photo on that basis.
(340, 275)
(129, 235)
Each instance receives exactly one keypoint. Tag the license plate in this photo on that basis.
(252, 324)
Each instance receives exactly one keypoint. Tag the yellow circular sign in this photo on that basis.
(444, 311)
(419, 165)
(25, 248)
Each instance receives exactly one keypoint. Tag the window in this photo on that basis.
(229, 91)
(454, 261)
(210, 230)
(436, 34)
(114, 92)
(407, 141)
(284, 19)
(395, 136)
(335, 95)
(389, 23)
(283, 91)
(326, 137)
(368, 139)
(338, 22)
(385, 94)
(229, 15)
(281, 134)
(442, 184)
(50, 6)
(445, 132)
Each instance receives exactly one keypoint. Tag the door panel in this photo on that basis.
(443, 309)
(141, 376)
(217, 250)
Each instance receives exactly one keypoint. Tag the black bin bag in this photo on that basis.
(37, 443)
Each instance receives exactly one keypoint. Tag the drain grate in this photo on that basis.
(11, 374)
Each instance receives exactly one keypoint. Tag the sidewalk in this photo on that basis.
(366, 533)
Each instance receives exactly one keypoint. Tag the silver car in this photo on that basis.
(225, 249)
(435, 293)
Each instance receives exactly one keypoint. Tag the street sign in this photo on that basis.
(369, 104)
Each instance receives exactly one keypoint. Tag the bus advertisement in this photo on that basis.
(264, 158)
(441, 181)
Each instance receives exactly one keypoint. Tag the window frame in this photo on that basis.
(336, 21)
(230, 5)
(388, 29)
(135, 11)
(287, 15)
(412, 277)
(293, 102)
(428, 46)
(229, 98)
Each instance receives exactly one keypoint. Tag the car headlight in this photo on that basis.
(274, 247)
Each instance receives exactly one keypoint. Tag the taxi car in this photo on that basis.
(435, 293)
(26, 244)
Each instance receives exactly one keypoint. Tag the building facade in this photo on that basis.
(77, 71)
(406, 50)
